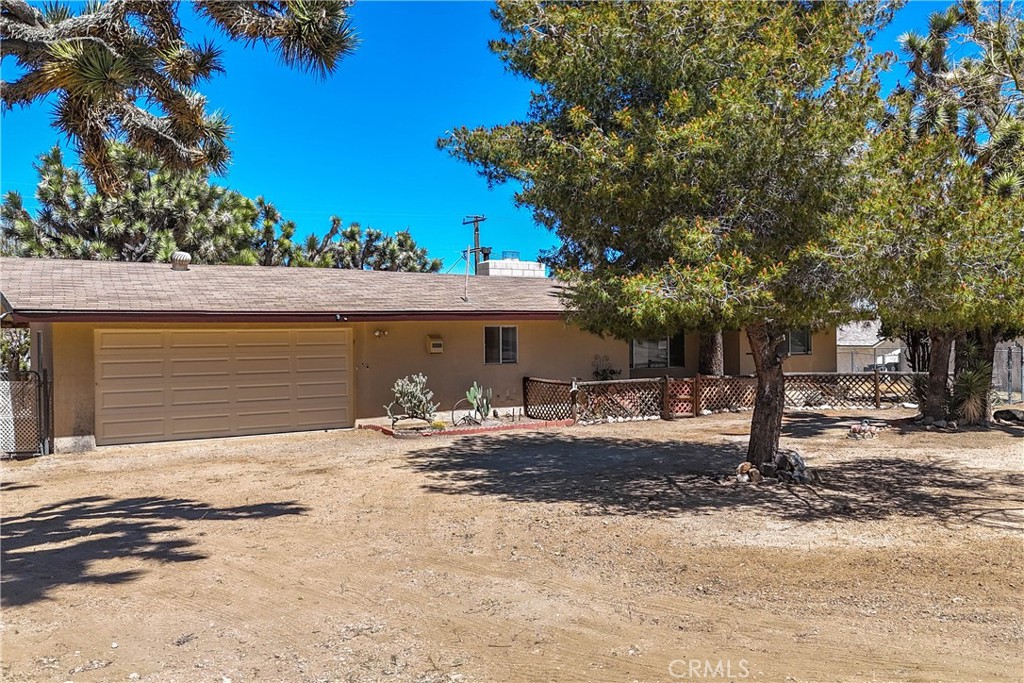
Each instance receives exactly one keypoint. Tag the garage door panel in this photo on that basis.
(203, 383)
(200, 367)
(314, 417)
(262, 420)
(194, 396)
(113, 399)
(132, 431)
(264, 365)
(132, 340)
(321, 337)
(315, 390)
(321, 363)
(196, 422)
(198, 339)
(266, 338)
(130, 369)
(246, 393)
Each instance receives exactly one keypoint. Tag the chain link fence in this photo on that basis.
(1008, 374)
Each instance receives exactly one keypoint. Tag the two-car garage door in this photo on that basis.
(164, 384)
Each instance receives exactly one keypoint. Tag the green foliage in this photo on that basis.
(972, 394)
(157, 212)
(123, 71)
(692, 157)
(161, 211)
(480, 399)
(352, 247)
(937, 250)
(413, 398)
(15, 345)
(940, 231)
(694, 160)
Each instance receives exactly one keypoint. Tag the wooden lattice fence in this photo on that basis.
(679, 397)
(548, 399)
(628, 399)
(725, 393)
(669, 397)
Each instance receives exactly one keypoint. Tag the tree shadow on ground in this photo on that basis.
(56, 545)
(807, 424)
(15, 486)
(631, 476)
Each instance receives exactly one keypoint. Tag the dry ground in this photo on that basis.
(581, 554)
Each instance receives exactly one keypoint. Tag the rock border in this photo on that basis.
(463, 431)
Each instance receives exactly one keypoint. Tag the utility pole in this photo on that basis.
(476, 221)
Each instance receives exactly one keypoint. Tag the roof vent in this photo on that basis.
(180, 260)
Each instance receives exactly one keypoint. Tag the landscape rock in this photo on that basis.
(755, 476)
(768, 470)
(1010, 415)
(705, 412)
(909, 406)
(927, 420)
(939, 424)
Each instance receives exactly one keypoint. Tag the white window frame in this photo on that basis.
(501, 338)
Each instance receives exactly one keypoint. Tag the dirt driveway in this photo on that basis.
(582, 554)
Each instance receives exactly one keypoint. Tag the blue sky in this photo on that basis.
(361, 144)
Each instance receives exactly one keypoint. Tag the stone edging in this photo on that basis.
(463, 431)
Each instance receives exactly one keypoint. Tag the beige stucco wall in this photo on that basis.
(550, 349)
(822, 357)
(546, 349)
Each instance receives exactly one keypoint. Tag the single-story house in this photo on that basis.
(149, 352)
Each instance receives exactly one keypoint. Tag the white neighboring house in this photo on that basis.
(859, 348)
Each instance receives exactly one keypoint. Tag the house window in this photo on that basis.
(798, 342)
(667, 352)
(501, 344)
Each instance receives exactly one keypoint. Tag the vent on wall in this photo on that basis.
(435, 344)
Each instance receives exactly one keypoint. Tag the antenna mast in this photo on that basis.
(476, 221)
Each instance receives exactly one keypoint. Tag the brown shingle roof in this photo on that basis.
(64, 289)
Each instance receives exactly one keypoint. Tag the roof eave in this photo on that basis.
(27, 316)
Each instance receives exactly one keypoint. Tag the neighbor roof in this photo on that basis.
(860, 333)
(53, 289)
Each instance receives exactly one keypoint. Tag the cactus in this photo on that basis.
(480, 399)
(412, 395)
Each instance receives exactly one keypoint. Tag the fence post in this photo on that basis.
(47, 413)
(574, 395)
(526, 403)
(878, 389)
(665, 414)
(1009, 374)
(695, 395)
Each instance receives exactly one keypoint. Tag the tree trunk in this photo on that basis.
(712, 357)
(988, 338)
(917, 349)
(766, 423)
(936, 398)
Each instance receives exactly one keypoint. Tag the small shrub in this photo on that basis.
(972, 395)
(413, 397)
(919, 386)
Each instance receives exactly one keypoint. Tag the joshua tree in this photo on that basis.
(121, 70)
